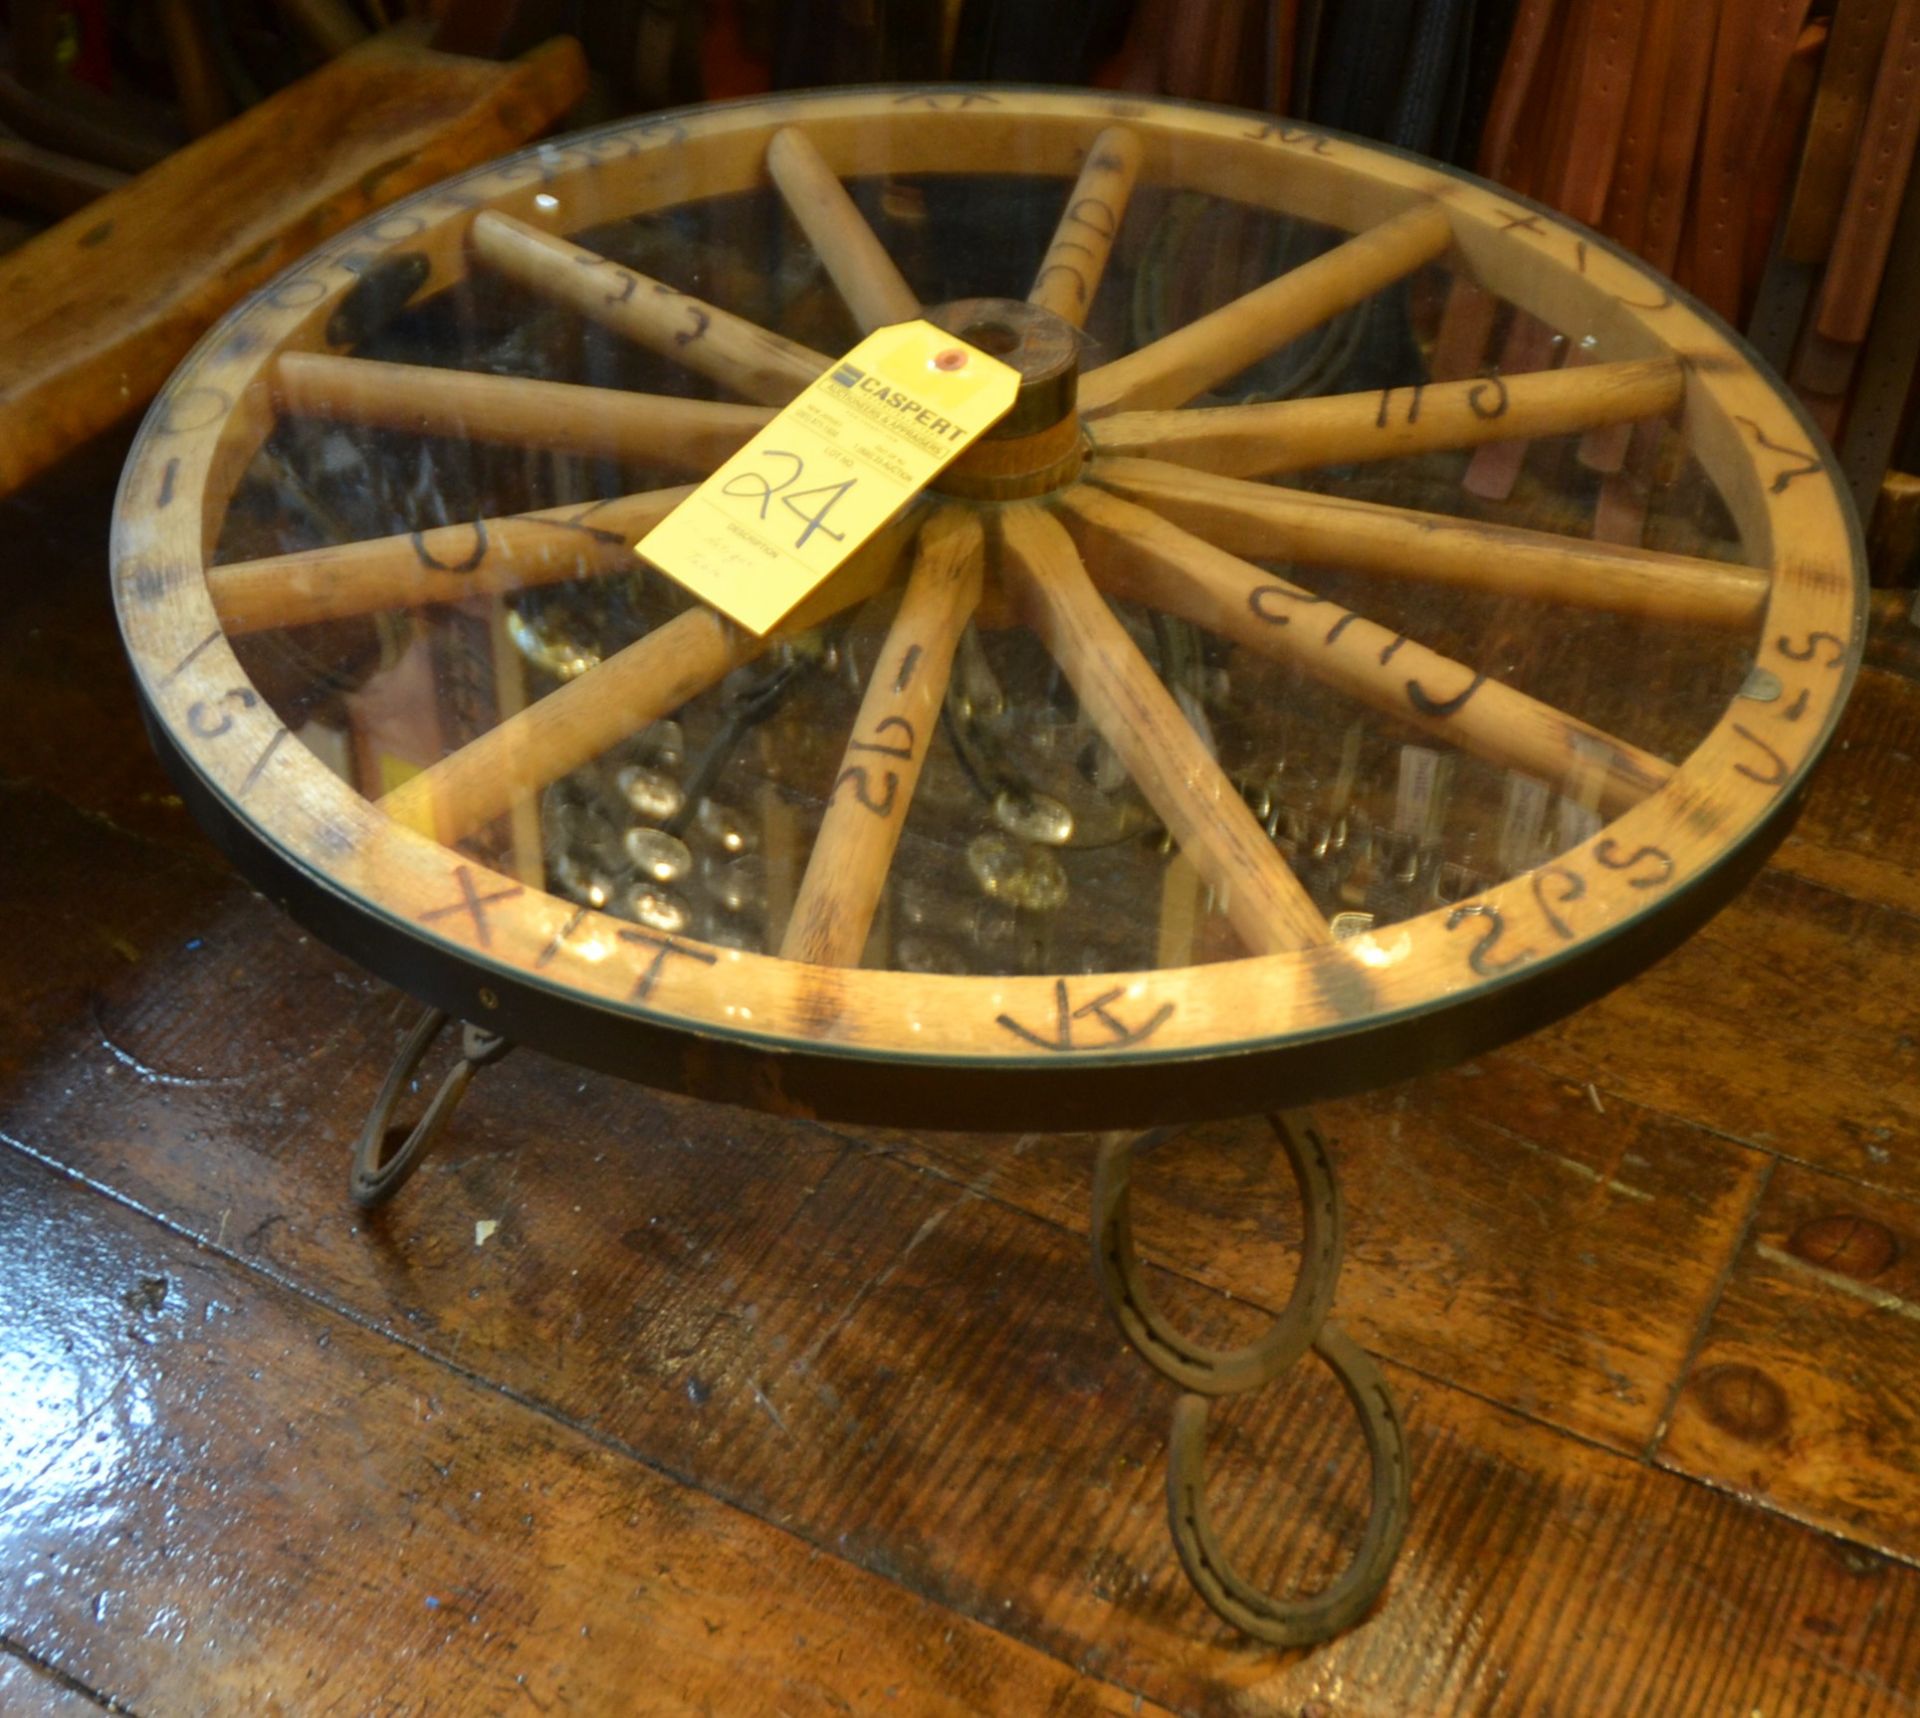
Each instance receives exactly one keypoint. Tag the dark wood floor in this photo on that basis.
(742, 1415)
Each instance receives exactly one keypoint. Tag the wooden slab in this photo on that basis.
(31, 1692)
(192, 1423)
(897, 1366)
(1860, 832)
(980, 1444)
(1787, 1023)
(96, 312)
(1801, 1394)
(1507, 1231)
(1893, 634)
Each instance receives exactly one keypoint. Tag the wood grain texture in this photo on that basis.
(1784, 508)
(1069, 276)
(1791, 977)
(1268, 439)
(1861, 828)
(1218, 346)
(1149, 732)
(1267, 523)
(1893, 635)
(964, 1441)
(102, 307)
(876, 1359)
(756, 363)
(446, 563)
(1893, 531)
(212, 1412)
(866, 276)
(1579, 1248)
(650, 678)
(61, 662)
(652, 429)
(1800, 1394)
(1149, 560)
(35, 1693)
(899, 716)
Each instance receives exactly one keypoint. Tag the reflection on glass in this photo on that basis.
(1028, 846)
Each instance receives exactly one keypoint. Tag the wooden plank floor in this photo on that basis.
(731, 1414)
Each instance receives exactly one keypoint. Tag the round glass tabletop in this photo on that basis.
(1389, 617)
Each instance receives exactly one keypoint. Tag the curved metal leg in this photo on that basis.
(381, 1170)
(1204, 1373)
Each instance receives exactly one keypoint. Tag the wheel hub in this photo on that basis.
(1036, 447)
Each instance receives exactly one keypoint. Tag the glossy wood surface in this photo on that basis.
(773, 1417)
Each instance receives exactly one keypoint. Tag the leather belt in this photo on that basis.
(1825, 364)
(1750, 55)
(1833, 136)
(1872, 206)
(1887, 363)
(1598, 53)
(1833, 133)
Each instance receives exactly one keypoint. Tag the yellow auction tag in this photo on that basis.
(833, 467)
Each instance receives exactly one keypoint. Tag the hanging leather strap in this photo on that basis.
(1526, 55)
(1888, 364)
(1780, 144)
(1683, 104)
(1833, 133)
(1625, 216)
(1751, 49)
(1592, 92)
(1600, 96)
(1656, 148)
(1872, 205)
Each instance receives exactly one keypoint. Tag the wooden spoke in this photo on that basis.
(576, 722)
(1119, 691)
(1347, 429)
(449, 563)
(609, 423)
(1144, 558)
(898, 716)
(1549, 903)
(1223, 343)
(1267, 523)
(579, 720)
(857, 261)
(726, 348)
(1493, 471)
(1069, 276)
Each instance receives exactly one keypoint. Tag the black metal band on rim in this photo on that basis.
(832, 1083)
(848, 1046)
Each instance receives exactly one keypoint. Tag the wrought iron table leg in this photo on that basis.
(1204, 1373)
(380, 1172)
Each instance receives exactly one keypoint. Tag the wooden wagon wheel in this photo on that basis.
(1637, 722)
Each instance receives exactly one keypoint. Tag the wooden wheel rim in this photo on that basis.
(1093, 1050)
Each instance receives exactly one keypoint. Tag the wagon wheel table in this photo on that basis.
(1251, 717)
